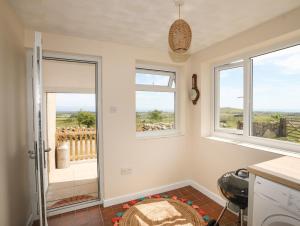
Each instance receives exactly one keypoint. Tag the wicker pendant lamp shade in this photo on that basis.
(180, 35)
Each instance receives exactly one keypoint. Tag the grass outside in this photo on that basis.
(230, 118)
(167, 119)
(158, 119)
(66, 120)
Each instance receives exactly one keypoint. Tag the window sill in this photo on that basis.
(158, 134)
(241, 143)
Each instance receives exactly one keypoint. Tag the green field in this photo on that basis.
(67, 120)
(164, 119)
(230, 118)
(154, 118)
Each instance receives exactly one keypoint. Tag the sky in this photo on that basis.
(276, 87)
(276, 82)
(231, 88)
(149, 101)
(149, 79)
(145, 101)
(75, 102)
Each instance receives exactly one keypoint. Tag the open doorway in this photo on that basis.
(71, 131)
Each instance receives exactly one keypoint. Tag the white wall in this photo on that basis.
(14, 185)
(162, 161)
(154, 162)
(212, 158)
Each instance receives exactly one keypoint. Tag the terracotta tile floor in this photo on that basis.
(99, 216)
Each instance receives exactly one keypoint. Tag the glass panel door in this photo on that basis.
(69, 90)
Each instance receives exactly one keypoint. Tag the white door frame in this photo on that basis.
(38, 153)
(97, 60)
(30, 137)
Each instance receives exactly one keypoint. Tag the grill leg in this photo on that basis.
(221, 214)
(241, 219)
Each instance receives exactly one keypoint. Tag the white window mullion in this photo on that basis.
(217, 99)
(247, 97)
(250, 85)
(154, 88)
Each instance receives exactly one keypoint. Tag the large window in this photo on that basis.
(155, 100)
(276, 95)
(260, 97)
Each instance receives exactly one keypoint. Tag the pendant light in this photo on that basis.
(180, 33)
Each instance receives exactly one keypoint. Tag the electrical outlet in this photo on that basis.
(126, 171)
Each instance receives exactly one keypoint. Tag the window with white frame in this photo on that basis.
(259, 98)
(229, 106)
(155, 100)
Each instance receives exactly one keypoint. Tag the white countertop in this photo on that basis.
(284, 170)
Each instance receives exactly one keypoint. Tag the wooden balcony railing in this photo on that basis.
(82, 142)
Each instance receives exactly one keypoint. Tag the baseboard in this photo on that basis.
(208, 193)
(217, 198)
(128, 197)
(29, 221)
(157, 190)
(125, 198)
(165, 188)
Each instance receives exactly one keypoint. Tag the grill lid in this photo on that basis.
(234, 186)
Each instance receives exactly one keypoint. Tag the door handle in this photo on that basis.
(31, 154)
(47, 150)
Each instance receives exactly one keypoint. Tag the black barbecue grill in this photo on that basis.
(234, 187)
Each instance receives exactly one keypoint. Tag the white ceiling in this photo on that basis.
(146, 23)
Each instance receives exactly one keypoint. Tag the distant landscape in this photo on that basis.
(73, 119)
(154, 120)
(275, 125)
(263, 121)
(145, 121)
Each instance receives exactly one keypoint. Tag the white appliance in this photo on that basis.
(275, 204)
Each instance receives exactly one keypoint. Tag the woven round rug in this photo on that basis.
(161, 212)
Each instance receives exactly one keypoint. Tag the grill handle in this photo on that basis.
(239, 170)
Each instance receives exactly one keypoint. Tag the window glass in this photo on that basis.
(155, 111)
(276, 95)
(152, 79)
(231, 98)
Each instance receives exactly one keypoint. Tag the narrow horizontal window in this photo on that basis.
(148, 79)
(155, 78)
